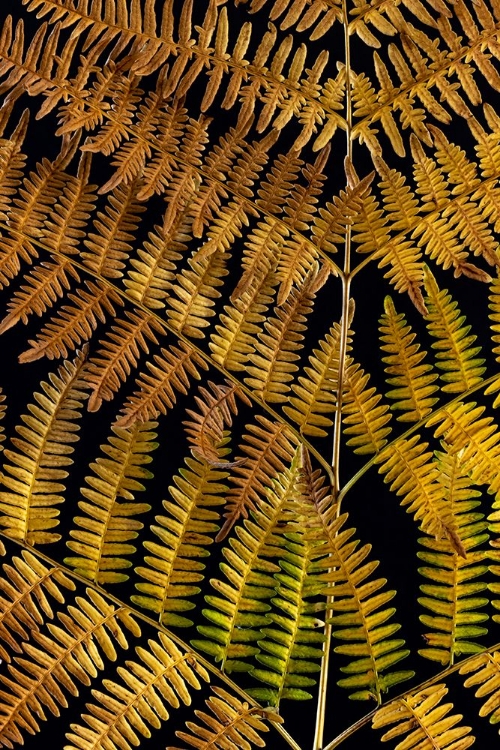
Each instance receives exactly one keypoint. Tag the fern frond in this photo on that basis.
(425, 720)
(75, 323)
(34, 472)
(193, 294)
(27, 588)
(239, 608)
(232, 724)
(453, 594)
(360, 617)
(170, 373)
(72, 654)
(216, 406)
(123, 713)
(484, 671)
(412, 380)
(172, 569)
(122, 347)
(12, 163)
(45, 284)
(275, 355)
(291, 647)
(109, 246)
(366, 419)
(406, 464)
(456, 355)
(315, 393)
(102, 541)
(267, 450)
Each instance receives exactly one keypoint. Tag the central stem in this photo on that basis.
(344, 332)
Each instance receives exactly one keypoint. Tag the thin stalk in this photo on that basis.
(346, 285)
(157, 626)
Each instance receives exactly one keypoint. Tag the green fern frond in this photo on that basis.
(453, 595)
(412, 380)
(102, 542)
(425, 720)
(240, 608)
(34, 472)
(123, 712)
(72, 654)
(456, 356)
(173, 568)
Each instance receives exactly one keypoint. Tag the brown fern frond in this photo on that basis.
(268, 449)
(215, 408)
(12, 161)
(122, 346)
(75, 323)
(170, 373)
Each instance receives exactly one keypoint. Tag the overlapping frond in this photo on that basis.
(54, 665)
(27, 588)
(360, 616)
(230, 723)
(173, 567)
(454, 592)
(412, 380)
(124, 712)
(170, 374)
(423, 722)
(240, 606)
(456, 354)
(104, 540)
(407, 465)
(33, 474)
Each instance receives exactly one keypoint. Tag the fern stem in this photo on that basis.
(181, 337)
(337, 429)
(411, 430)
(154, 624)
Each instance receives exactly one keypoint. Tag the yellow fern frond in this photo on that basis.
(366, 419)
(34, 472)
(456, 355)
(170, 373)
(426, 719)
(102, 543)
(484, 671)
(412, 380)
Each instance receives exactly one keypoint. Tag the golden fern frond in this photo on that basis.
(120, 353)
(456, 582)
(27, 588)
(412, 381)
(494, 316)
(12, 163)
(72, 653)
(406, 464)
(102, 543)
(266, 240)
(172, 568)
(109, 246)
(163, 677)
(366, 418)
(323, 13)
(456, 356)
(301, 202)
(360, 618)
(315, 393)
(33, 474)
(233, 724)
(150, 280)
(170, 373)
(462, 426)
(45, 284)
(483, 671)
(233, 340)
(425, 721)
(75, 323)
(401, 205)
(276, 349)
(239, 609)
(267, 450)
(193, 294)
(215, 408)
(291, 646)
(275, 189)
